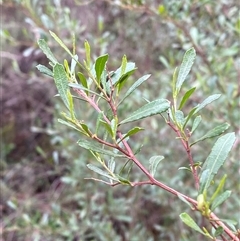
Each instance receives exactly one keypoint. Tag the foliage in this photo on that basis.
(155, 37)
(107, 131)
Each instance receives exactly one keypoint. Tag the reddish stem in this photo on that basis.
(152, 181)
(188, 150)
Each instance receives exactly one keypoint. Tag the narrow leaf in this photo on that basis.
(153, 163)
(120, 82)
(83, 81)
(219, 231)
(66, 66)
(185, 67)
(130, 67)
(123, 180)
(186, 97)
(46, 50)
(149, 109)
(213, 133)
(114, 125)
(60, 42)
(111, 164)
(88, 54)
(43, 69)
(73, 64)
(185, 169)
(86, 129)
(134, 86)
(179, 118)
(101, 172)
(124, 64)
(207, 101)
(203, 180)
(107, 127)
(78, 86)
(133, 131)
(219, 188)
(218, 155)
(96, 148)
(100, 66)
(100, 115)
(190, 222)
(196, 123)
(220, 199)
(188, 117)
(69, 125)
(61, 82)
(174, 80)
(104, 78)
(71, 105)
(184, 200)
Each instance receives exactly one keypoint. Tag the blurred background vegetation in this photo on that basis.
(44, 195)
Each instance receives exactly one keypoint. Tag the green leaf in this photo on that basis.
(100, 65)
(153, 163)
(111, 164)
(71, 105)
(124, 64)
(120, 83)
(134, 86)
(188, 117)
(83, 81)
(108, 127)
(213, 133)
(218, 155)
(86, 129)
(46, 50)
(220, 199)
(88, 54)
(69, 125)
(218, 231)
(115, 78)
(186, 97)
(60, 42)
(100, 171)
(97, 148)
(43, 69)
(179, 118)
(174, 80)
(185, 169)
(184, 200)
(100, 116)
(61, 82)
(185, 67)
(197, 108)
(123, 180)
(133, 131)
(149, 109)
(203, 180)
(207, 101)
(196, 123)
(66, 66)
(73, 64)
(114, 125)
(219, 188)
(104, 78)
(190, 222)
(78, 86)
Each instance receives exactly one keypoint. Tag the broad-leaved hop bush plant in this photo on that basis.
(102, 91)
